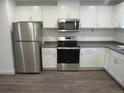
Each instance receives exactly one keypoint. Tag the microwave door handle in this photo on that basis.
(75, 25)
(64, 25)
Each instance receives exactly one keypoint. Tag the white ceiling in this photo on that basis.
(83, 2)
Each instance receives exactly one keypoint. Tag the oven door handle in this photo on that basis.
(69, 48)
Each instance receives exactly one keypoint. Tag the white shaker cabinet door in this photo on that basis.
(107, 58)
(100, 57)
(112, 67)
(50, 16)
(49, 58)
(68, 8)
(88, 57)
(105, 16)
(88, 16)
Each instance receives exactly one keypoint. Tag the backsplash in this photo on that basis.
(51, 34)
(120, 36)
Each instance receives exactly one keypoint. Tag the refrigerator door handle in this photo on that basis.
(23, 58)
(37, 56)
(35, 28)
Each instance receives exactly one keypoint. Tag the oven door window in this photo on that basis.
(68, 56)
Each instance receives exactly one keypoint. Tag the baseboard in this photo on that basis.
(7, 72)
(81, 68)
(91, 68)
(49, 68)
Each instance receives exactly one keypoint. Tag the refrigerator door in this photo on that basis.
(27, 58)
(27, 31)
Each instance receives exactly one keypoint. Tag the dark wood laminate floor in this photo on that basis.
(59, 82)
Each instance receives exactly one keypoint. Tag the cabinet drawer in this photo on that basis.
(49, 50)
(89, 51)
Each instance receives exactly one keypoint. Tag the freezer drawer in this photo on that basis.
(27, 59)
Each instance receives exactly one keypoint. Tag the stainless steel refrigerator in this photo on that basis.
(27, 37)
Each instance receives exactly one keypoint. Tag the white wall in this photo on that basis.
(11, 11)
(6, 55)
(84, 35)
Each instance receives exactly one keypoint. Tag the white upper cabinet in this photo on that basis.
(97, 16)
(119, 15)
(50, 16)
(28, 13)
(88, 16)
(68, 8)
(105, 17)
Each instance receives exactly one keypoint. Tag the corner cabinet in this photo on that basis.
(92, 58)
(116, 66)
(49, 58)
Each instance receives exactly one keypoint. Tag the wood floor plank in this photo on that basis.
(59, 82)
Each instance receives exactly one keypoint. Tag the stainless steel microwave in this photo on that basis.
(68, 25)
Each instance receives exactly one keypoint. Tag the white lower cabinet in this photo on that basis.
(91, 57)
(88, 57)
(49, 58)
(107, 57)
(116, 67)
(100, 57)
(120, 71)
(112, 66)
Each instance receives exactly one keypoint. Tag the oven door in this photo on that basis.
(68, 59)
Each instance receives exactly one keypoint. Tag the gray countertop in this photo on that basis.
(111, 45)
(87, 44)
(50, 45)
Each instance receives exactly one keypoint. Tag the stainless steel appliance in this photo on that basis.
(27, 37)
(68, 54)
(68, 25)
